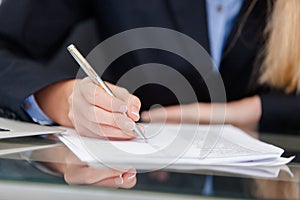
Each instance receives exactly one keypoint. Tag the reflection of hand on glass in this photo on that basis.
(62, 160)
(160, 176)
(89, 109)
(82, 174)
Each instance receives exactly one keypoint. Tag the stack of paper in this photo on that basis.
(178, 146)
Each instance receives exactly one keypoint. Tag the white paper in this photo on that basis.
(24, 129)
(208, 145)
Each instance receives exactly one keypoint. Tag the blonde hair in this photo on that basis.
(281, 66)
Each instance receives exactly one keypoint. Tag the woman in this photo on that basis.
(28, 47)
(279, 81)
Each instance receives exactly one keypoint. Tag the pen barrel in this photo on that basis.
(104, 86)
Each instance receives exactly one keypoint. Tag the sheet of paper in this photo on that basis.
(184, 145)
(13, 129)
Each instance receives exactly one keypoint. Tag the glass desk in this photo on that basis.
(22, 176)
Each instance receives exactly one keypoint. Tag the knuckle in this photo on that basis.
(118, 121)
(114, 102)
(98, 93)
(125, 91)
(70, 100)
(136, 100)
(82, 84)
(122, 91)
(70, 115)
(90, 97)
(85, 80)
(89, 93)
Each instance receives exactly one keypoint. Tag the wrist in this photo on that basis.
(53, 100)
(245, 112)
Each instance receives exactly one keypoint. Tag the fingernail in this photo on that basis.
(123, 109)
(135, 112)
(129, 125)
(132, 176)
(119, 180)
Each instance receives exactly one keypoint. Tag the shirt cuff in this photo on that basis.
(34, 111)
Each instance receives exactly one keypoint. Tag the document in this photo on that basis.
(179, 146)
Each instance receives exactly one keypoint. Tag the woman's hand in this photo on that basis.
(81, 174)
(75, 172)
(242, 113)
(88, 108)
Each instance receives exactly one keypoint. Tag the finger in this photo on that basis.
(94, 130)
(134, 107)
(125, 181)
(77, 174)
(129, 180)
(82, 110)
(108, 132)
(109, 183)
(91, 128)
(95, 95)
(133, 102)
(112, 133)
(103, 117)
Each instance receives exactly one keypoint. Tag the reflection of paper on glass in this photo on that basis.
(22, 144)
(232, 147)
(13, 129)
(254, 171)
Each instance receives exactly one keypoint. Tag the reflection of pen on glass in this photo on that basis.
(87, 68)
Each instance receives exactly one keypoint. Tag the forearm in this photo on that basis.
(246, 112)
(53, 100)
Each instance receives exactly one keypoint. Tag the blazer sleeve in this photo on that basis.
(280, 113)
(31, 32)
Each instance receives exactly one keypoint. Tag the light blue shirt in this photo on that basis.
(34, 111)
(220, 19)
(221, 16)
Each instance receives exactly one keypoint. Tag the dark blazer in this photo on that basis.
(31, 32)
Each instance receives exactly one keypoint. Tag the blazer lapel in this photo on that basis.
(189, 17)
(231, 40)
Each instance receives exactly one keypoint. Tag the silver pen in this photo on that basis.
(87, 68)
